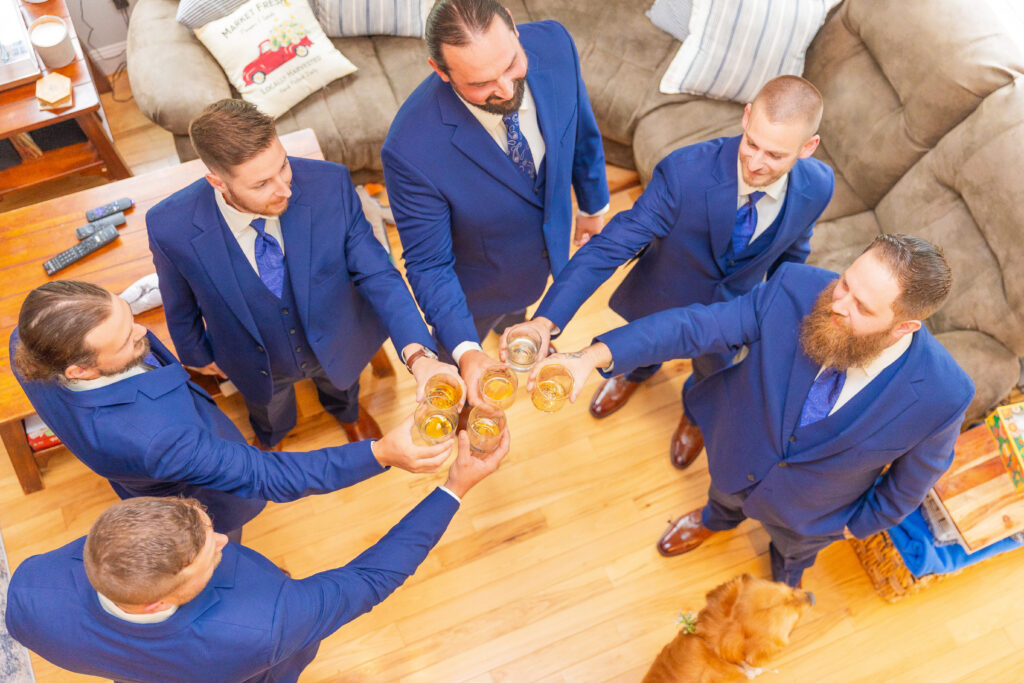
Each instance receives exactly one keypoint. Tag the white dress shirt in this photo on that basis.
(859, 377)
(238, 223)
(768, 206)
(87, 384)
(155, 618)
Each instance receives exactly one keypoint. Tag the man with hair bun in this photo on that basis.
(717, 218)
(154, 594)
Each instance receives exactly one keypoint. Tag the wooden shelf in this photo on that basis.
(56, 163)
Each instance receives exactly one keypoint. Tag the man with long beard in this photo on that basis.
(480, 163)
(840, 380)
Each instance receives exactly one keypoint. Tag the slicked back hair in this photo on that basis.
(787, 99)
(920, 269)
(52, 325)
(230, 132)
(136, 550)
(457, 22)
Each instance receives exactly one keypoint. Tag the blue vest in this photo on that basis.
(278, 321)
(757, 245)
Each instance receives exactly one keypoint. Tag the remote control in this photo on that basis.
(105, 235)
(108, 209)
(83, 231)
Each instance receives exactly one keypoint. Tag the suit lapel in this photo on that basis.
(470, 138)
(544, 101)
(212, 252)
(721, 202)
(297, 230)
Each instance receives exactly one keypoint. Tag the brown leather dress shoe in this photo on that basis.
(684, 534)
(687, 443)
(365, 427)
(612, 395)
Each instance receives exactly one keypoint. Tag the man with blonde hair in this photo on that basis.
(716, 219)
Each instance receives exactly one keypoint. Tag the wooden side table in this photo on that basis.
(20, 113)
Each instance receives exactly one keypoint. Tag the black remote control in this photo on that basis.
(105, 235)
(83, 231)
(108, 209)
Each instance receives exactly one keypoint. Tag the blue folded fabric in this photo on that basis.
(915, 544)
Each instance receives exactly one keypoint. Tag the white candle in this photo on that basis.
(50, 38)
(48, 34)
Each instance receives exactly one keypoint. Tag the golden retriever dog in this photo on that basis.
(745, 623)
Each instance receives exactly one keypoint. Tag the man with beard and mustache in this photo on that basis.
(124, 405)
(839, 382)
(270, 274)
(480, 163)
(716, 218)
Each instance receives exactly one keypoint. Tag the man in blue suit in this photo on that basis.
(715, 220)
(840, 381)
(121, 402)
(154, 594)
(270, 274)
(479, 164)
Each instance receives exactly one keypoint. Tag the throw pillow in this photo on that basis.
(274, 53)
(736, 46)
(196, 13)
(672, 17)
(344, 18)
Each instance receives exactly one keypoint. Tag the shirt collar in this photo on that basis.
(238, 221)
(887, 357)
(492, 122)
(100, 382)
(111, 608)
(776, 190)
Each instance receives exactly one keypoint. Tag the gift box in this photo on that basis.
(39, 435)
(1007, 426)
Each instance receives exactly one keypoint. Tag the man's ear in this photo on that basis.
(78, 372)
(438, 70)
(216, 182)
(515, 29)
(746, 117)
(809, 147)
(906, 327)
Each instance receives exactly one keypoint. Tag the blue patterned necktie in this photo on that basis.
(518, 149)
(269, 258)
(746, 222)
(823, 395)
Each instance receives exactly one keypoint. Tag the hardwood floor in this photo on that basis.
(549, 571)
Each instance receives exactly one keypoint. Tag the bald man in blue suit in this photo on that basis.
(715, 220)
(480, 163)
(154, 594)
(840, 381)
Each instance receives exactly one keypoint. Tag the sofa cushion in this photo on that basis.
(736, 46)
(897, 76)
(672, 17)
(347, 18)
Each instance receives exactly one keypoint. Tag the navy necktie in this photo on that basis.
(823, 395)
(269, 258)
(746, 222)
(518, 149)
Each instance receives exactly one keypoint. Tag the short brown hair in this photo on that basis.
(54, 321)
(791, 98)
(920, 269)
(137, 548)
(230, 132)
(457, 22)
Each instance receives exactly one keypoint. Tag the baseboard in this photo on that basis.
(108, 57)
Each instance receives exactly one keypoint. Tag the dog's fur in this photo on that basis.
(746, 621)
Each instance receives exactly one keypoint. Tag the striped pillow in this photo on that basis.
(736, 46)
(196, 13)
(672, 17)
(344, 18)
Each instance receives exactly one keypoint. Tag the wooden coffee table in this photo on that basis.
(32, 234)
(20, 113)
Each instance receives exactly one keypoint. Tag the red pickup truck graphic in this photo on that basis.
(256, 71)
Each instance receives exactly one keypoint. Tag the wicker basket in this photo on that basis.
(884, 565)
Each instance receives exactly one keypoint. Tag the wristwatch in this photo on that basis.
(422, 351)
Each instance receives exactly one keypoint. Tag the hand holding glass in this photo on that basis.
(442, 391)
(486, 423)
(523, 345)
(498, 386)
(552, 388)
(435, 424)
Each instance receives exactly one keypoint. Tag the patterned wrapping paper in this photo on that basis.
(1007, 426)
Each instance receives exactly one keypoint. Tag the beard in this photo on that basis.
(136, 360)
(494, 105)
(275, 209)
(827, 340)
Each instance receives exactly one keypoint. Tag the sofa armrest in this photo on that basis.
(172, 75)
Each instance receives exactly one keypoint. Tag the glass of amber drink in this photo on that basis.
(552, 389)
(522, 348)
(435, 424)
(486, 423)
(498, 386)
(442, 391)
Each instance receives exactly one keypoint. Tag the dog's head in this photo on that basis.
(749, 620)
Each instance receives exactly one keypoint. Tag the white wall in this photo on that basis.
(106, 40)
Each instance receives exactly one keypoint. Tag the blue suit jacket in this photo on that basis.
(250, 622)
(158, 434)
(344, 283)
(819, 478)
(684, 219)
(477, 240)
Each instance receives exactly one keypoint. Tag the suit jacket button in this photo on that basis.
(260, 349)
(783, 464)
(750, 477)
(264, 373)
(544, 253)
(792, 438)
